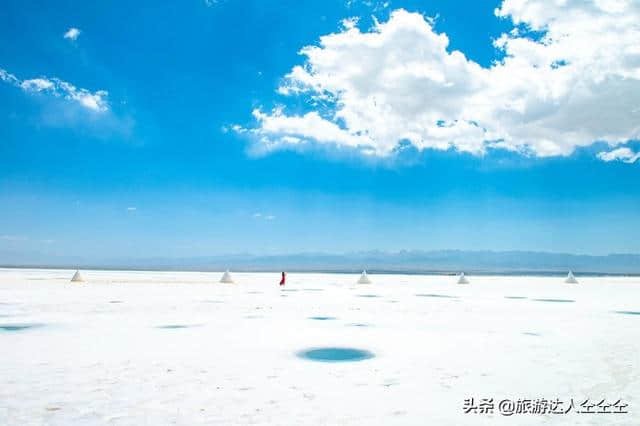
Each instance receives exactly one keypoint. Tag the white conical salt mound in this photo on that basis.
(226, 278)
(571, 279)
(77, 278)
(364, 278)
(462, 279)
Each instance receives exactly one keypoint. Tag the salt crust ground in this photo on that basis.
(102, 354)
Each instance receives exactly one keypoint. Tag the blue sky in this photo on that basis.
(174, 129)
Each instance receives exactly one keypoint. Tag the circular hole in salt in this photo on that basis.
(335, 354)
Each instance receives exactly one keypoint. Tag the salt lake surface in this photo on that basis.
(156, 348)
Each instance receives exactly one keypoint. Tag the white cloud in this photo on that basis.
(8, 78)
(94, 101)
(36, 85)
(579, 83)
(72, 33)
(623, 154)
(263, 216)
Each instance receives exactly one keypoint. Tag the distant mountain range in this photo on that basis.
(407, 261)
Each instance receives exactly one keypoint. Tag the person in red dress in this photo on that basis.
(283, 278)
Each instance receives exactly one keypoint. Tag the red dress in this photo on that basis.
(282, 280)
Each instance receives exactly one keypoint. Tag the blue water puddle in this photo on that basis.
(555, 300)
(515, 297)
(177, 326)
(322, 318)
(358, 324)
(443, 296)
(627, 312)
(367, 295)
(335, 354)
(19, 327)
(529, 333)
(116, 301)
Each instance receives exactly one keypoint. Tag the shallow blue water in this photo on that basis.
(555, 300)
(627, 312)
(322, 318)
(445, 296)
(335, 354)
(19, 327)
(515, 297)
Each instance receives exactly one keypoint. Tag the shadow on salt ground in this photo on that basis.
(253, 316)
(529, 333)
(555, 300)
(19, 327)
(289, 289)
(116, 301)
(367, 295)
(254, 292)
(444, 296)
(212, 301)
(515, 297)
(177, 326)
(627, 312)
(335, 354)
(322, 318)
(313, 289)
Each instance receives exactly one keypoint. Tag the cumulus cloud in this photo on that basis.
(623, 154)
(259, 215)
(94, 101)
(399, 82)
(72, 33)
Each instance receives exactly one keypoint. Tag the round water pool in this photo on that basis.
(335, 354)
